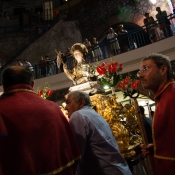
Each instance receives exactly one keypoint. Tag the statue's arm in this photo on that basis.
(66, 71)
(59, 59)
(70, 75)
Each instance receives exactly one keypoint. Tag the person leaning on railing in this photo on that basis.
(164, 23)
(114, 45)
(151, 27)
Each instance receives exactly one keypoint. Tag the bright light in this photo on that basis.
(105, 87)
(170, 5)
(153, 1)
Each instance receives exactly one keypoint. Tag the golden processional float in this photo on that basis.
(125, 121)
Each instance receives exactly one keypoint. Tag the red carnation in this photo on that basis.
(112, 68)
(102, 69)
(122, 85)
(49, 92)
(40, 92)
(134, 84)
(126, 80)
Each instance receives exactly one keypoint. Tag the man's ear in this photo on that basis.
(164, 70)
(82, 104)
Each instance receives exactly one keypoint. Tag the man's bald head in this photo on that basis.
(17, 75)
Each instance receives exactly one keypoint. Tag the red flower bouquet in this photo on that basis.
(45, 93)
(109, 73)
(129, 86)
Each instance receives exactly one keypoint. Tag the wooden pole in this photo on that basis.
(149, 109)
(149, 158)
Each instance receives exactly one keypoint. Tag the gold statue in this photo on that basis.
(113, 112)
(81, 71)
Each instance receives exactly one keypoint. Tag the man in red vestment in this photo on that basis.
(155, 75)
(39, 139)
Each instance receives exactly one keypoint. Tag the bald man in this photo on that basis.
(39, 140)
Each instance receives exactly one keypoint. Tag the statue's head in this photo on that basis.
(79, 52)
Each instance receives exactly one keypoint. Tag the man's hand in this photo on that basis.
(146, 149)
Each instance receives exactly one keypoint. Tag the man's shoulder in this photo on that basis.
(83, 112)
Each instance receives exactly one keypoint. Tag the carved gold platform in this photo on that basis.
(122, 121)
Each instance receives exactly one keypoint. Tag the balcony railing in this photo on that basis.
(134, 39)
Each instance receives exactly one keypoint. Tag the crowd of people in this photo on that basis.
(45, 66)
(118, 42)
(160, 29)
(36, 138)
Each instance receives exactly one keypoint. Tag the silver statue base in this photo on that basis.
(90, 87)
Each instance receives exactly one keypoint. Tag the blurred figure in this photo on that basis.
(114, 45)
(42, 67)
(164, 23)
(96, 49)
(49, 65)
(123, 38)
(90, 55)
(68, 52)
(151, 27)
(147, 124)
(39, 140)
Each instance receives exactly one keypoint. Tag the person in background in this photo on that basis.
(39, 139)
(164, 23)
(114, 45)
(49, 65)
(155, 75)
(123, 38)
(151, 27)
(42, 67)
(68, 52)
(147, 124)
(96, 49)
(99, 149)
(90, 55)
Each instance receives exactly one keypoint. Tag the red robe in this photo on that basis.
(39, 140)
(3, 129)
(164, 129)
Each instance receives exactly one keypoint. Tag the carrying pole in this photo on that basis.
(149, 158)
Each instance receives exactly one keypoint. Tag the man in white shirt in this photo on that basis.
(98, 147)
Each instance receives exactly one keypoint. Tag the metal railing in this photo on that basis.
(134, 39)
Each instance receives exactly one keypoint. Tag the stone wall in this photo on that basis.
(10, 41)
(104, 14)
(64, 34)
